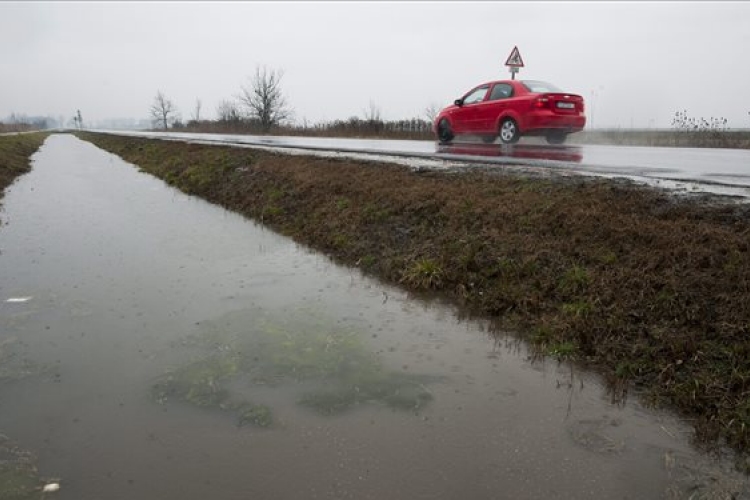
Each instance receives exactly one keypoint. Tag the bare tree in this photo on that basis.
(373, 121)
(264, 99)
(372, 113)
(163, 110)
(197, 110)
(431, 111)
(228, 111)
(78, 120)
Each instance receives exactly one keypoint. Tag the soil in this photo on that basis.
(649, 289)
(15, 151)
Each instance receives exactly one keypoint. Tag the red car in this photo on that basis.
(510, 109)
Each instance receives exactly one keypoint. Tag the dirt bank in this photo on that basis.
(15, 151)
(652, 291)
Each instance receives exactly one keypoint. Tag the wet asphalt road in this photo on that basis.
(718, 171)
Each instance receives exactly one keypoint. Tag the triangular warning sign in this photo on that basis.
(514, 59)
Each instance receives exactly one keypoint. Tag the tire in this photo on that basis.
(509, 133)
(444, 132)
(556, 137)
(488, 139)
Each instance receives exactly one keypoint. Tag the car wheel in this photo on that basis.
(445, 134)
(488, 139)
(509, 131)
(556, 137)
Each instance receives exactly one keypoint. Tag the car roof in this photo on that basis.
(492, 82)
(496, 81)
(517, 83)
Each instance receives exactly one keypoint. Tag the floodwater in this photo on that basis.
(155, 346)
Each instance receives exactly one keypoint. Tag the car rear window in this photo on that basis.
(539, 87)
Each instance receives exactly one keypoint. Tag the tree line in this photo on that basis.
(261, 107)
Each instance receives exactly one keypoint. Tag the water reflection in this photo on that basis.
(533, 152)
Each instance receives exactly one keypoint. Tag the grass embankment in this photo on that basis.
(651, 290)
(15, 151)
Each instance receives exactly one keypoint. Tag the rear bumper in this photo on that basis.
(543, 121)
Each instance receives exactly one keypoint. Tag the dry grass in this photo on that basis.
(652, 291)
(15, 151)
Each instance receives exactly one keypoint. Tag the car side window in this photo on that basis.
(501, 91)
(476, 95)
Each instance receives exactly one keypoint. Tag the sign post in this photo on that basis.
(514, 62)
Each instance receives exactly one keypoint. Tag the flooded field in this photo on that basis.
(154, 346)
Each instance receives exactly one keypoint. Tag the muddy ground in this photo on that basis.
(15, 151)
(651, 290)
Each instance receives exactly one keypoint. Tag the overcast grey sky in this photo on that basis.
(636, 63)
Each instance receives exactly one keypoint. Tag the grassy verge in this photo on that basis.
(652, 291)
(15, 151)
(729, 139)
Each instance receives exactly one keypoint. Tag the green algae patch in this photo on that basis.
(397, 391)
(199, 383)
(325, 367)
(257, 415)
(19, 478)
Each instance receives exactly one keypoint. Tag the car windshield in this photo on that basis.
(539, 87)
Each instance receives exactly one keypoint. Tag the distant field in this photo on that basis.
(739, 139)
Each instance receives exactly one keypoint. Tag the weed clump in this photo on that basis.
(257, 415)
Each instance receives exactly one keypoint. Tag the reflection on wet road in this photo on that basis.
(572, 154)
(169, 349)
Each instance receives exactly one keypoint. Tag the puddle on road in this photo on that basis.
(173, 350)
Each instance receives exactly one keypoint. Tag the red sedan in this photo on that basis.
(510, 109)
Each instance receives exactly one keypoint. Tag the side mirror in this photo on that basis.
(459, 102)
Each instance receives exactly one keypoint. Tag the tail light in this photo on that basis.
(541, 103)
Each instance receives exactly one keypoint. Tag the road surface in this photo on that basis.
(718, 171)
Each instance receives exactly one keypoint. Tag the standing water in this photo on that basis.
(155, 346)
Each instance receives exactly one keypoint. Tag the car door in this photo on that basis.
(488, 111)
(465, 116)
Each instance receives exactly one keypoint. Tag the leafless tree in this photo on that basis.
(197, 110)
(372, 113)
(264, 99)
(228, 111)
(78, 120)
(431, 111)
(163, 110)
(373, 121)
